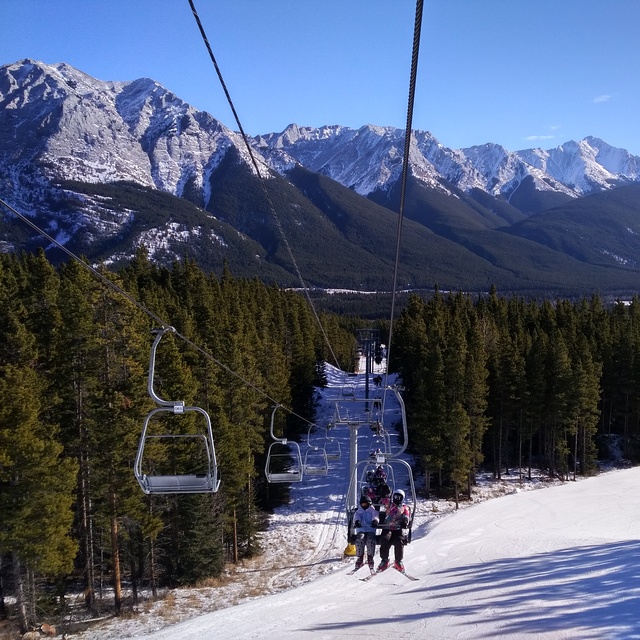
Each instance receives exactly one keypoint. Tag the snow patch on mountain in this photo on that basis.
(621, 260)
(370, 159)
(74, 127)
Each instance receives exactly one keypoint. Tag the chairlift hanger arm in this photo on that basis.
(152, 366)
(405, 432)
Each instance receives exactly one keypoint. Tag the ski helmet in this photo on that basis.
(365, 499)
(398, 496)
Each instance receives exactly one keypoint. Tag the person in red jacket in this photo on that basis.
(397, 519)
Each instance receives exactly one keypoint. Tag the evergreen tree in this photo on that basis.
(458, 428)
(36, 482)
(584, 404)
(75, 355)
(559, 420)
(476, 393)
(118, 405)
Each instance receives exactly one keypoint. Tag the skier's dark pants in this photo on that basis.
(367, 540)
(389, 538)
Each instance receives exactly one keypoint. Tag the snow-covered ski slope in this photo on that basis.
(559, 563)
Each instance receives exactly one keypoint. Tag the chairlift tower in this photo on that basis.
(367, 339)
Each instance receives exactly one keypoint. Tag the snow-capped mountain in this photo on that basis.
(586, 166)
(73, 126)
(67, 141)
(63, 124)
(370, 159)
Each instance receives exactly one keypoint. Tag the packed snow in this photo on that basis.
(554, 564)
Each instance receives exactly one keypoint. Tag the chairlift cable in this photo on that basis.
(262, 180)
(144, 309)
(405, 161)
(403, 186)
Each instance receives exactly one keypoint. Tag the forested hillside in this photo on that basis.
(508, 383)
(73, 362)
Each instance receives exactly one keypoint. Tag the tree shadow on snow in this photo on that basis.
(538, 594)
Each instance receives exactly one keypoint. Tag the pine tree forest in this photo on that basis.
(505, 384)
(74, 357)
(497, 383)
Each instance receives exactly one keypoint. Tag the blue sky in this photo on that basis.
(521, 73)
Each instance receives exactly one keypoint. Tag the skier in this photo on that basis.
(382, 498)
(365, 522)
(371, 492)
(380, 475)
(397, 519)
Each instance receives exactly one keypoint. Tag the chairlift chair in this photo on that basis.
(372, 466)
(381, 442)
(152, 483)
(340, 415)
(205, 479)
(349, 391)
(332, 447)
(316, 462)
(284, 459)
(394, 466)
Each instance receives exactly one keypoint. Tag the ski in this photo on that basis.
(352, 571)
(373, 574)
(402, 571)
(405, 574)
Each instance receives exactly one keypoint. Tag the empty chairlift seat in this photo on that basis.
(175, 457)
(316, 462)
(196, 448)
(284, 458)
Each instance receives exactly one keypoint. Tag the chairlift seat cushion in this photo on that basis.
(293, 476)
(196, 483)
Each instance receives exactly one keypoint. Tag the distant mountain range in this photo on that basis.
(105, 167)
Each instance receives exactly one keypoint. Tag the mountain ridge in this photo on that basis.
(60, 128)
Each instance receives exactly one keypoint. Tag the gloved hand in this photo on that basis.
(357, 524)
(404, 523)
(374, 522)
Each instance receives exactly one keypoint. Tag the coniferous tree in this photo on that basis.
(584, 404)
(457, 423)
(535, 366)
(458, 428)
(75, 356)
(118, 405)
(476, 394)
(36, 481)
(558, 421)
